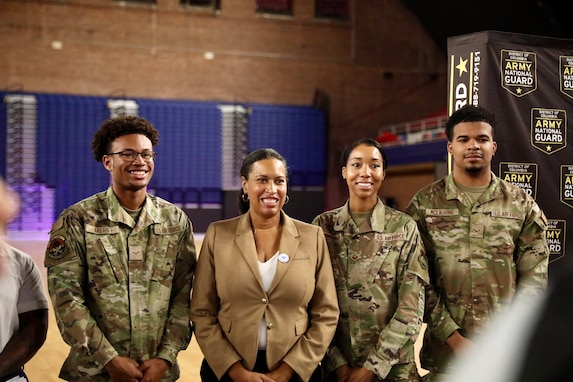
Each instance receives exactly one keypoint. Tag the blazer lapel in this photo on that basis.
(245, 244)
(288, 246)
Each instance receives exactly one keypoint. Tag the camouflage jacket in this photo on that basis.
(479, 256)
(380, 272)
(120, 287)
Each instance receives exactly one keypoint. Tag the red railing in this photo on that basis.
(422, 130)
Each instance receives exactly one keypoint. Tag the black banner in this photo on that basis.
(527, 81)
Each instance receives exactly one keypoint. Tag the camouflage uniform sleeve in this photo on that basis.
(65, 260)
(532, 253)
(438, 317)
(178, 328)
(405, 325)
(334, 357)
(436, 314)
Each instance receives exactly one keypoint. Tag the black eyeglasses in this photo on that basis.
(131, 155)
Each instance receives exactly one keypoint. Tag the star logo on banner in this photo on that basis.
(518, 90)
(462, 66)
(548, 148)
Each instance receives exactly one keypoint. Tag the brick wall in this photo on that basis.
(377, 69)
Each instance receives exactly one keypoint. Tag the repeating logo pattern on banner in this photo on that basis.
(567, 184)
(527, 82)
(548, 129)
(523, 175)
(566, 75)
(518, 72)
(556, 236)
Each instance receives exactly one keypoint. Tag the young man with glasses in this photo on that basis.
(120, 268)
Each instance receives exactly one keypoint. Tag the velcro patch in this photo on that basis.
(57, 252)
(442, 212)
(167, 230)
(58, 224)
(508, 214)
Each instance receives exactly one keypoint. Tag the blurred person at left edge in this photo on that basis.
(23, 301)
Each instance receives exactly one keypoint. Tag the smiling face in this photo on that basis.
(266, 187)
(364, 174)
(472, 148)
(127, 175)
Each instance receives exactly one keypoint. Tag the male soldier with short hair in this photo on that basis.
(484, 237)
(120, 268)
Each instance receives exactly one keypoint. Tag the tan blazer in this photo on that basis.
(229, 300)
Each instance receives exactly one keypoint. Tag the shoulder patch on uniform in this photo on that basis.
(56, 252)
(58, 224)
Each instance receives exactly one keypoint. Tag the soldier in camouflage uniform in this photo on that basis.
(120, 268)
(380, 272)
(485, 240)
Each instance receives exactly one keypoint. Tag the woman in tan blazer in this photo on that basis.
(264, 305)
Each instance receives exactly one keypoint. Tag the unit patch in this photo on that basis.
(56, 251)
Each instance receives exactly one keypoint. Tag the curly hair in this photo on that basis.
(470, 113)
(113, 128)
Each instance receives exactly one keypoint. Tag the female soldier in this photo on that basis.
(380, 272)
